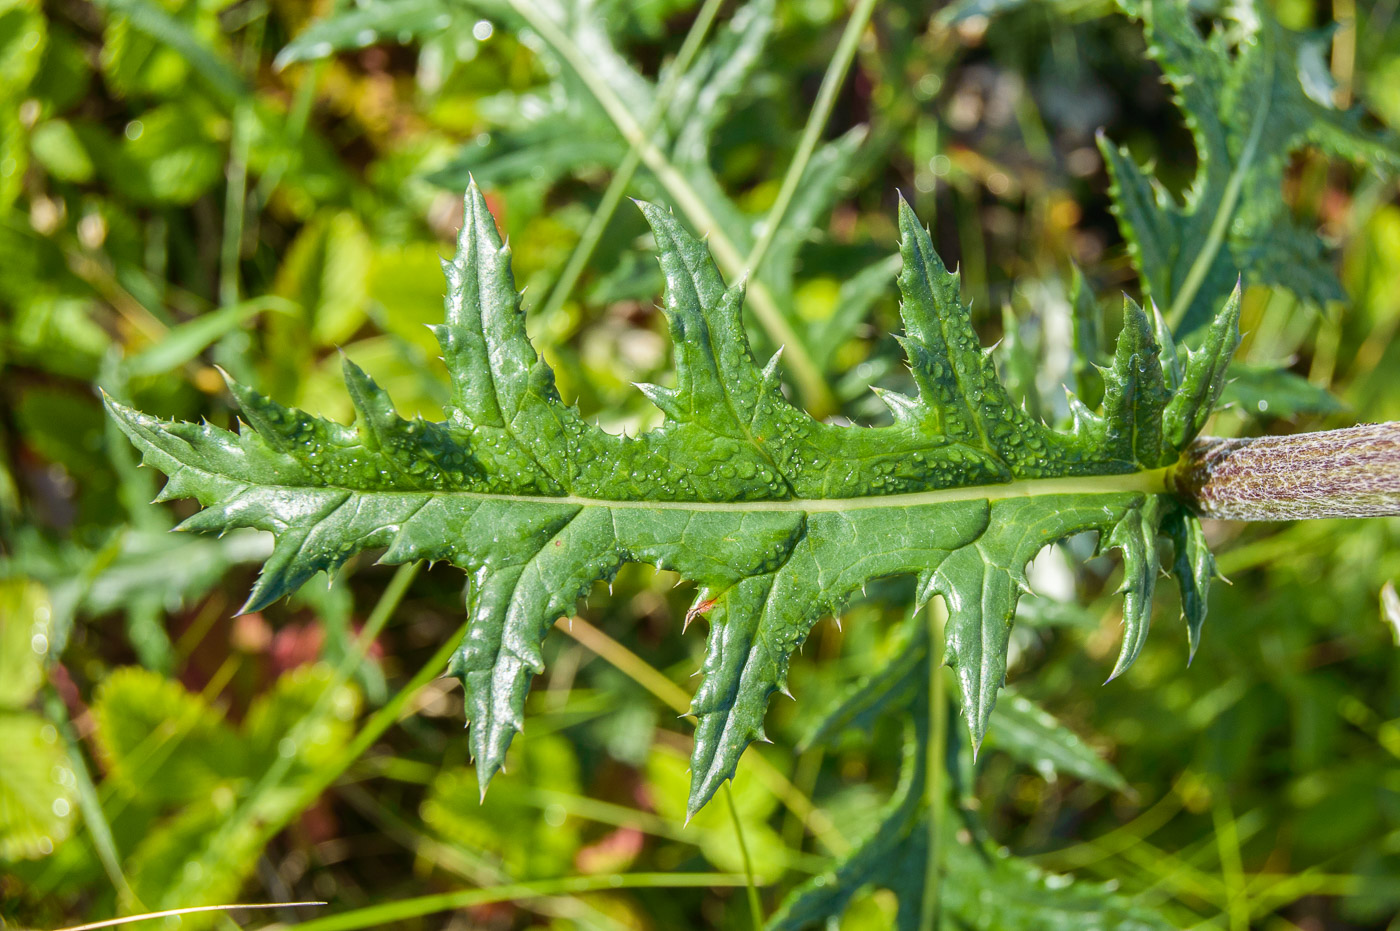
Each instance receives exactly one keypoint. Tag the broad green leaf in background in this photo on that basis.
(173, 753)
(326, 272)
(778, 518)
(37, 798)
(714, 827)
(157, 739)
(1031, 734)
(509, 829)
(1252, 92)
(24, 640)
(367, 24)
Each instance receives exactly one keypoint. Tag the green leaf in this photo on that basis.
(980, 887)
(145, 30)
(1020, 728)
(167, 748)
(593, 107)
(777, 518)
(713, 828)
(894, 686)
(36, 781)
(1252, 93)
(510, 827)
(1272, 391)
(36, 796)
(275, 713)
(365, 25)
(23, 31)
(172, 867)
(1030, 734)
(326, 271)
(1086, 338)
(169, 155)
(25, 635)
(161, 742)
(998, 890)
(1194, 567)
(57, 147)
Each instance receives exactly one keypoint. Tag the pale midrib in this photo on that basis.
(1225, 209)
(1151, 482)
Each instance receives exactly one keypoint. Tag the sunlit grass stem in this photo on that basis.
(627, 168)
(755, 906)
(935, 766)
(176, 912)
(832, 81)
(375, 916)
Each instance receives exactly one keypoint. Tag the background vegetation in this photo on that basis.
(183, 185)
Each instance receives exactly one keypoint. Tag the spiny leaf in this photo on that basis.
(1030, 734)
(895, 854)
(1020, 728)
(891, 687)
(1252, 93)
(586, 113)
(1194, 566)
(777, 518)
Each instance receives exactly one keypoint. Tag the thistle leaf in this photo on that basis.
(1252, 92)
(1194, 567)
(778, 519)
(895, 856)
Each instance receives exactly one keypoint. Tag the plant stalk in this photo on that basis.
(755, 906)
(622, 177)
(935, 790)
(1353, 472)
(811, 133)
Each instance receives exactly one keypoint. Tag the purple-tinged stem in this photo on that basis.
(1337, 473)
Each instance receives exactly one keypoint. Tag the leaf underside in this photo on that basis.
(777, 518)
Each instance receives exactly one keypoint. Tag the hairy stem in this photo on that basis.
(1337, 473)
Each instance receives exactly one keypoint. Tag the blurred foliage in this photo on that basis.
(171, 200)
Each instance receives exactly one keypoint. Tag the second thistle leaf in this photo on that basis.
(1252, 95)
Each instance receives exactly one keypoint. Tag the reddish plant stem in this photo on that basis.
(1337, 473)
